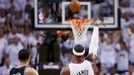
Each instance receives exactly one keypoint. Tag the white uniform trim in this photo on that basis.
(78, 53)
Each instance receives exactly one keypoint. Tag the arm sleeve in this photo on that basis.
(94, 41)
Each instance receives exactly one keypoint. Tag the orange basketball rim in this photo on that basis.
(78, 23)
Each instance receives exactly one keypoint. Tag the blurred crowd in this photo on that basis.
(115, 53)
(16, 33)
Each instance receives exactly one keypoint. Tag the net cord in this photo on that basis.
(79, 32)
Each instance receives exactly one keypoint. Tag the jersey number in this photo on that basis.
(83, 72)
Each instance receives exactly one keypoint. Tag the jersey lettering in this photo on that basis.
(17, 74)
(83, 72)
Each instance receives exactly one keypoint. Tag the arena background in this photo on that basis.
(51, 50)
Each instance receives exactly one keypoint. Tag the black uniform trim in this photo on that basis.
(18, 71)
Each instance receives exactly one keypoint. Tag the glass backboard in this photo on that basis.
(53, 14)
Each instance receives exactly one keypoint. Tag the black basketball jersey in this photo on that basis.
(18, 71)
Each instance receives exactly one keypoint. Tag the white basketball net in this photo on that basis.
(79, 30)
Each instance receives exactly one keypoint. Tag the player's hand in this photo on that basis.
(99, 23)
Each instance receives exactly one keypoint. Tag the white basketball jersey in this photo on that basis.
(84, 68)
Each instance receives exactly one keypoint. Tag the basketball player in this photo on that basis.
(80, 64)
(23, 68)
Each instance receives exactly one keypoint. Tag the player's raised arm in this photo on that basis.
(94, 44)
(94, 41)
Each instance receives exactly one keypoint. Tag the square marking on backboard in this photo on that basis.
(64, 4)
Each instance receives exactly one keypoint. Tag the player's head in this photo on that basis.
(24, 56)
(78, 50)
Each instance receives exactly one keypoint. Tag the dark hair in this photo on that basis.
(23, 55)
(79, 48)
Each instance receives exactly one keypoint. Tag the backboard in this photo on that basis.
(53, 14)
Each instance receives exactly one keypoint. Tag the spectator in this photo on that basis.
(131, 47)
(17, 18)
(13, 49)
(11, 7)
(8, 20)
(35, 42)
(122, 58)
(7, 30)
(14, 32)
(26, 35)
(108, 55)
(3, 44)
(2, 14)
(28, 9)
(6, 67)
(35, 55)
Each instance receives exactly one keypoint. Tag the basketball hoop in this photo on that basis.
(79, 29)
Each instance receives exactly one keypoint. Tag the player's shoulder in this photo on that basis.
(65, 71)
(31, 71)
(87, 62)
